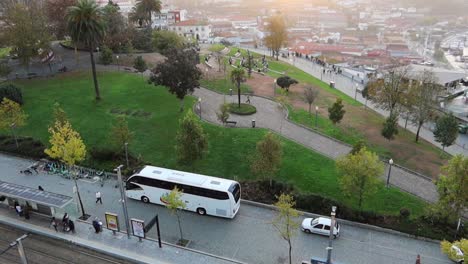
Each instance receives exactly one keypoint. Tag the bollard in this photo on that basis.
(230, 91)
(253, 123)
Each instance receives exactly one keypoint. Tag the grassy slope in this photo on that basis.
(223, 86)
(4, 52)
(229, 149)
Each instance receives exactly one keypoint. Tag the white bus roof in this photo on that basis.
(187, 178)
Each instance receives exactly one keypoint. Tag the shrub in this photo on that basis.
(104, 154)
(107, 56)
(245, 109)
(27, 147)
(11, 92)
(404, 213)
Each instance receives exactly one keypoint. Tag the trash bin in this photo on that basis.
(253, 123)
(332, 84)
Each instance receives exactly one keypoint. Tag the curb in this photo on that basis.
(346, 222)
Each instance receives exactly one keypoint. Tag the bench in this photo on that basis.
(228, 122)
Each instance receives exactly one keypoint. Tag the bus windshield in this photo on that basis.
(235, 190)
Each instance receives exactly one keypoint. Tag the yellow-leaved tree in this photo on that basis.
(67, 146)
(11, 116)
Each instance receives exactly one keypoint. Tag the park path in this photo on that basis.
(352, 88)
(271, 116)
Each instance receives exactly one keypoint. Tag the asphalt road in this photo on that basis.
(43, 250)
(249, 237)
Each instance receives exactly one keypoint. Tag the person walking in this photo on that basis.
(98, 197)
(96, 225)
(71, 225)
(53, 223)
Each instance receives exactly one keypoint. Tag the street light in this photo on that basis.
(316, 115)
(274, 87)
(330, 237)
(123, 199)
(126, 153)
(118, 63)
(355, 92)
(390, 162)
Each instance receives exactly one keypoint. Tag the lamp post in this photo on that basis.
(316, 116)
(21, 253)
(123, 199)
(274, 87)
(118, 63)
(199, 105)
(330, 237)
(355, 92)
(13, 126)
(126, 153)
(390, 163)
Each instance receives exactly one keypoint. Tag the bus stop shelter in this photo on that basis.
(40, 201)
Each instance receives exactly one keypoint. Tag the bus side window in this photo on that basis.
(132, 186)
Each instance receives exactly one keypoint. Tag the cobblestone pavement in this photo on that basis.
(270, 115)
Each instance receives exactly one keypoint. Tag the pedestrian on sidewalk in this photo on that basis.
(96, 225)
(248, 99)
(18, 209)
(98, 197)
(53, 223)
(65, 220)
(71, 225)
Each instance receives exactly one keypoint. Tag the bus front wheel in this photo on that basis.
(201, 211)
(145, 199)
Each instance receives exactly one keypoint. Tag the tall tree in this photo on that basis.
(191, 141)
(336, 111)
(164, 41)
(116, 35)
(142, 12)
(360, 174)
(389, 91)
(277, 34)
(286, 220)
(238, 77)
(285, 82)
(452, 186)
(67, 146)
(390, 127)
(446, 130)
(268, 156)
(24, 28)
(86, 26)
(11, 116)
(310, 94)
(423, 98)
(56, 14)
(178, 72)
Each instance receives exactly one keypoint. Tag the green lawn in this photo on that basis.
(4, 52)
(216, 47)
(223, 86)
(229, 149)
(326, 126)
(299, 75)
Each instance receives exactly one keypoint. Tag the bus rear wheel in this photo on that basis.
(145, 199)
(201, 211)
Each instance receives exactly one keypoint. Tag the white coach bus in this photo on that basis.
(202, 194)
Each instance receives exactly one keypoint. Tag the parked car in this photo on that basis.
(320, 225)
(462, 129)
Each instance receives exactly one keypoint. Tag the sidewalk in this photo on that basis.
(269, 115)
(118, 245)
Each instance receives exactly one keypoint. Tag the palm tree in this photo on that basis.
(143, 10)
(86, 26)
(238, 77)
